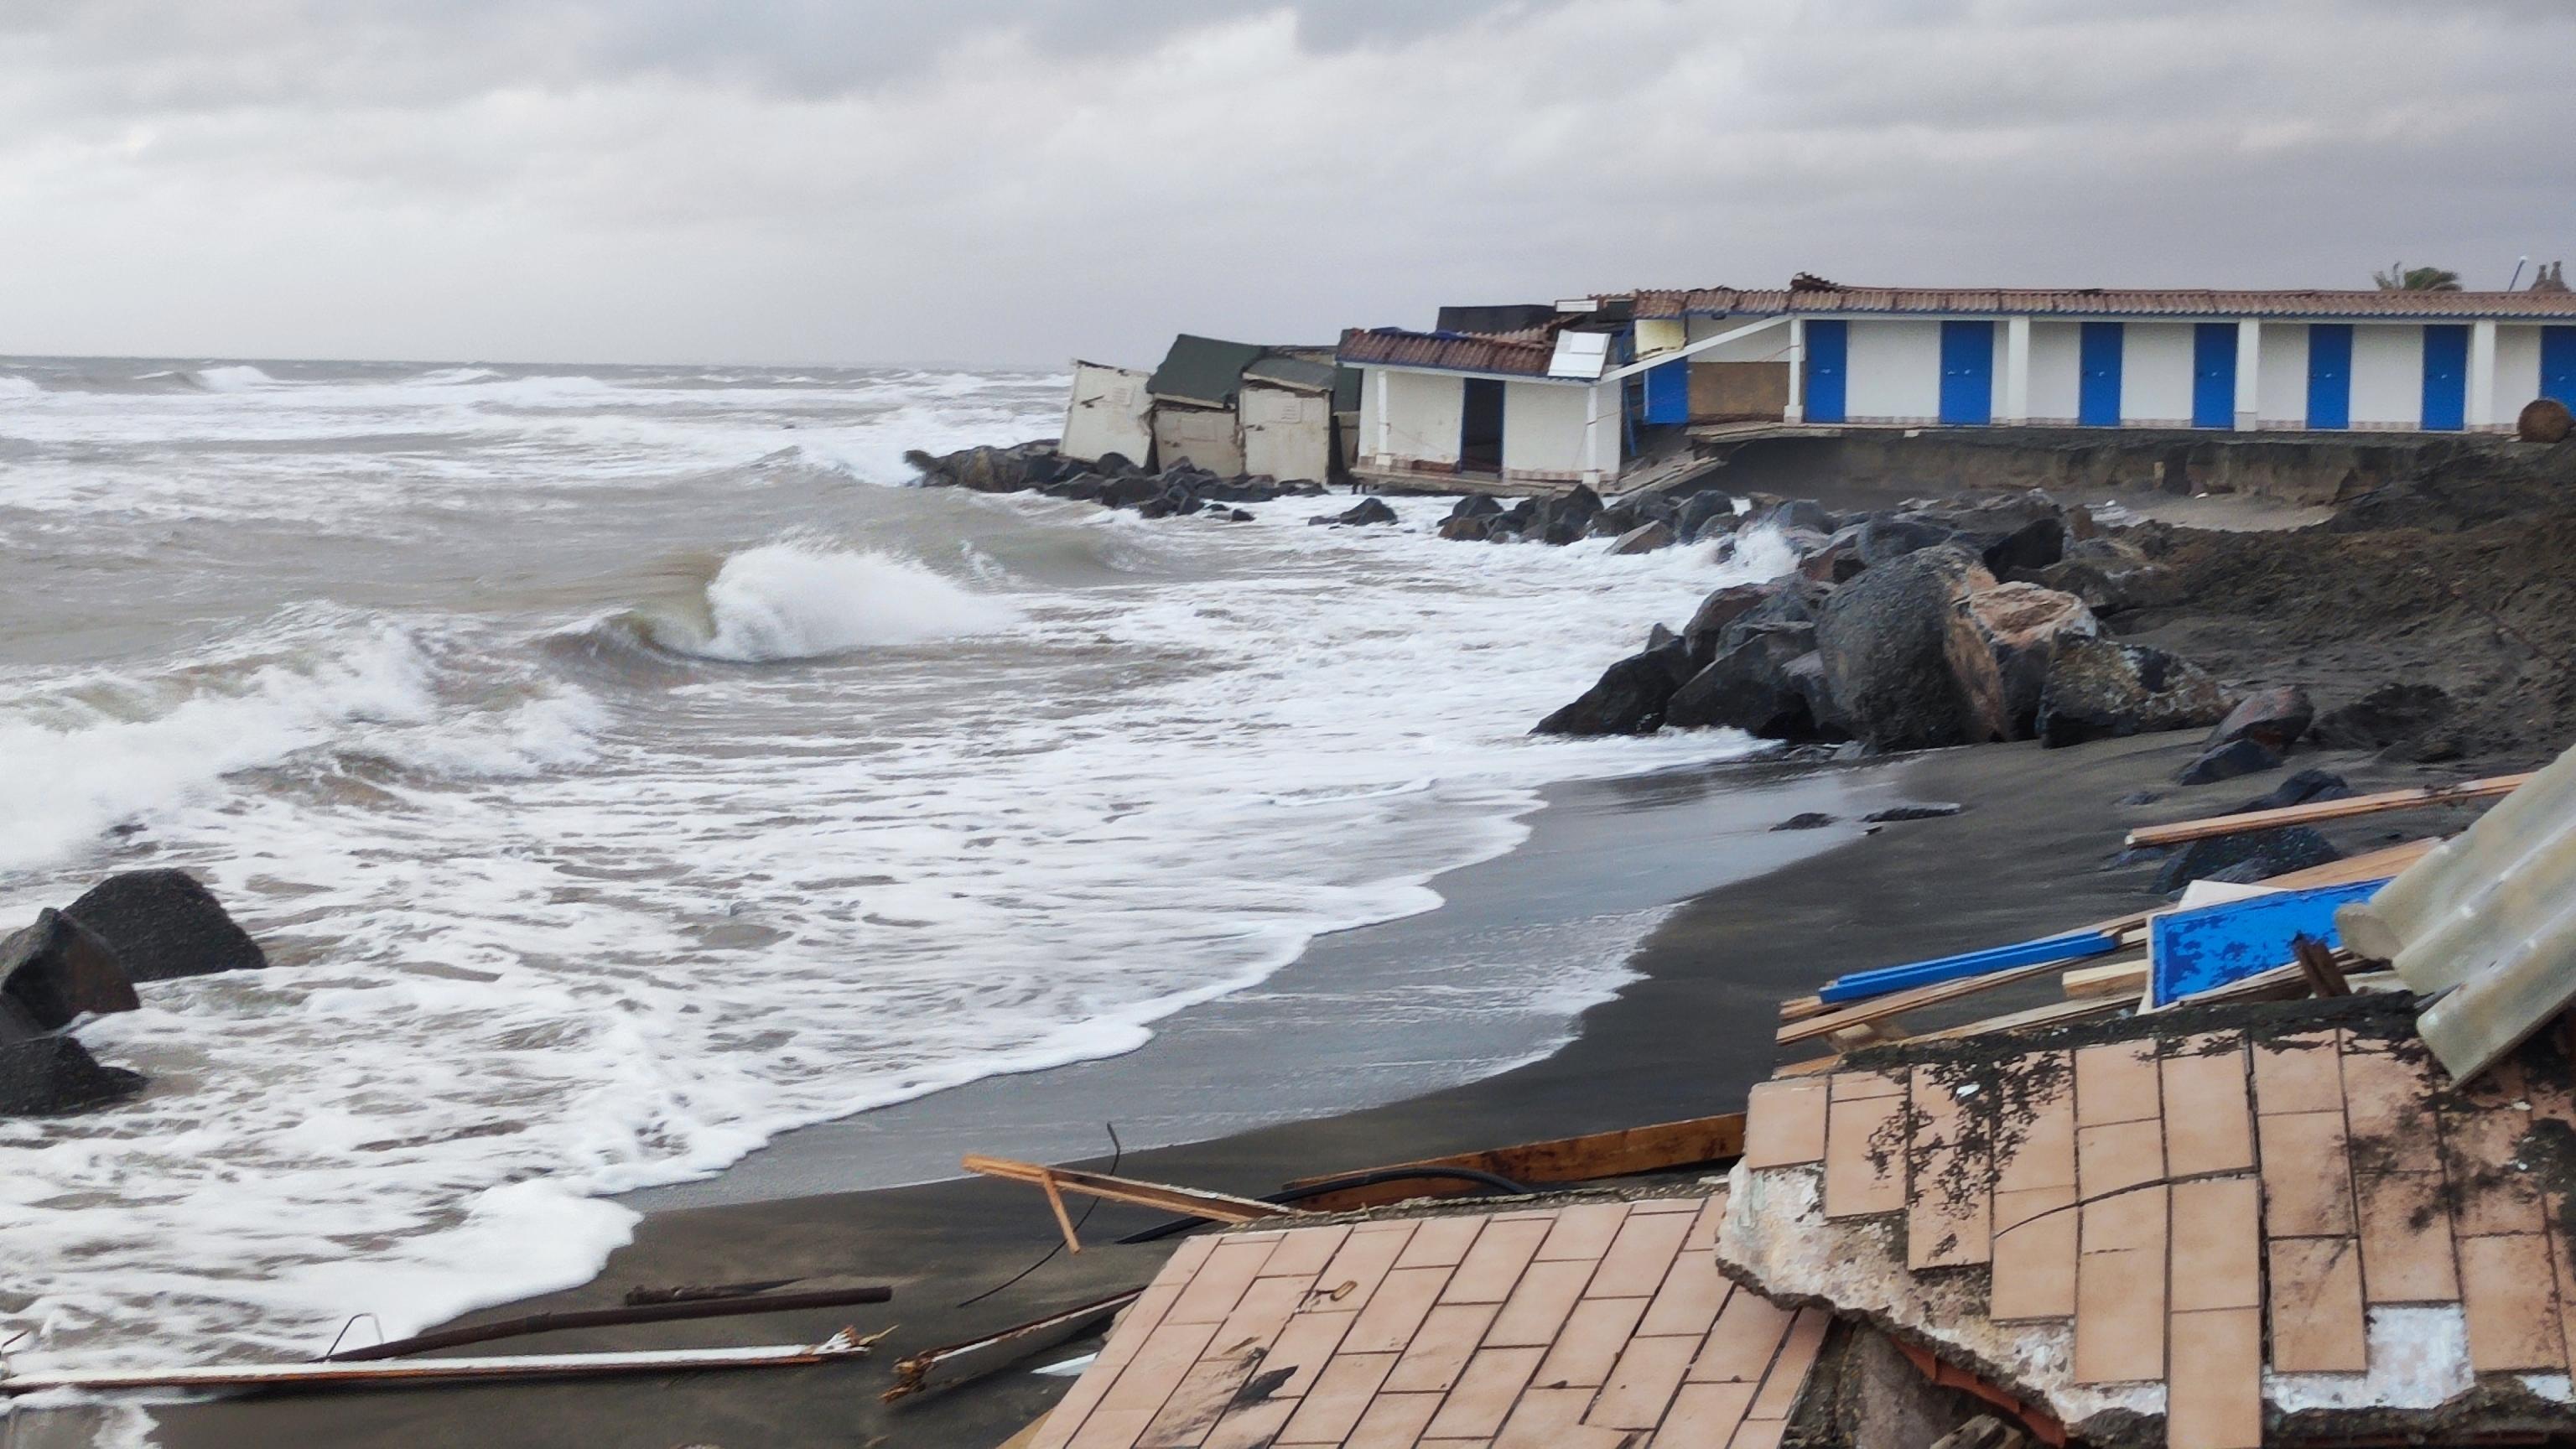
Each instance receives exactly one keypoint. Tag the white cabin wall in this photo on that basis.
(1892, 370)
(2056, 371)
(2281, 382)
(1543, 427)
(1425, 411)
(1287, 434)
(2155, 374)
(2517, 374)
(2388, 375)
(1110, 413)
(1209, 438)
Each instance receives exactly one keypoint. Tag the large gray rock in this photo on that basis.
(1705, 515)
(45, 1074)
(2273, 718)
(2256, 855)
(1906, 669)
(2023, 626)
(2099, 690)
(58, 969)
(162, 925)
(1886, 537)
(989, 470)
(1754, 687)
(1629, 699)
(1644, 538)
(1718, 610)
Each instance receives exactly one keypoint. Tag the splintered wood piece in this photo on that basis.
(2182, 832)
(1625, 1152)
(1188, 1202)
(1063, 1219)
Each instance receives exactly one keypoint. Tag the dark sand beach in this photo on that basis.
(1687, 1037)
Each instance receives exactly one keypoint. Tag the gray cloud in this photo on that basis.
(981, 180)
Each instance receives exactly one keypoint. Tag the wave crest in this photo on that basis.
(799, 600)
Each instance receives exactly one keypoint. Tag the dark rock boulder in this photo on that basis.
(44, 1075)
(58, 968)
(1476, 505)
(1751, 688)
(1718, 610)
(1644, 538)
(1838, 562)
(1578, 504)
(2035, 545)
(2299, 789)
(2244, 756)
(1615, 520)
(1906, 669)
(1659, 636)
(1789, 600)
(1114, 464)
(1798, 513)
(1886, 537)
(1367, 511)
(2544, 420)
(1472, 529)
(2107, 588)
(2266, 852)
(1081, 488)
(1133, 490)
(1806, 820)
(1629, 699)
(2023, 626)
(2389, 715)
(988, 469)
(163, 925)
(2273, 718)
(1705, 515)
(2099, 690)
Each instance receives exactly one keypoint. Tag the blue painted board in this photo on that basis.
(2446, 378)
(1668, 393)
(1967, 373)
(2558, 364)
(1863, 984)
(2197, 950)
(1828, 349)
(2097, 402)
(2213, 375)
(2330, 375)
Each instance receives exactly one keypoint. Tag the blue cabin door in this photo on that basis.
(2446, 379)
(2558, 364)
(2330, 375)
(2097, 403)
(1828, 348)
(2213, 375)
(1668, 393)
(1967, 373)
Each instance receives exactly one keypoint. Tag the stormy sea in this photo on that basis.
(623, 766)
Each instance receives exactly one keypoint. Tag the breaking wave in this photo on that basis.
(801, 600)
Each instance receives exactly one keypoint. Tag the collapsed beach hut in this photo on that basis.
(1194, 393)
(1111, 411)
(1286, 406)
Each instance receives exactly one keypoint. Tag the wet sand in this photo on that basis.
(1686, 1038)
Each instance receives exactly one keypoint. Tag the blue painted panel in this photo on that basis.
(1863, 984)
(2446, 378)
(2197, 950)
(1668, 393)
(2330, 375)
(1967, 373)
(2558, 364)
(1828, 348)
(2213, 375)
(2097, 405)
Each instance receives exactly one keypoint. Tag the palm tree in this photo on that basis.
(2402, 278)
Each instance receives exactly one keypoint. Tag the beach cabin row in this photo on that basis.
(1591, 387)
(1233, 408)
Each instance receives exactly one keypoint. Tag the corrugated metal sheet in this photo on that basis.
(1203, 370)
(2487, 923)
(2108, 302)
(1521, 354)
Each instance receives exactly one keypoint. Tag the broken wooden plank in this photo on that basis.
(1803, 1007)
(958, 1363)
(1660, 1147)
(2053, 1014)
(2107, 979)
(668, 1312)
(2183, 832)
(842, 1345)
(1187, 1201)
(1898, 1003)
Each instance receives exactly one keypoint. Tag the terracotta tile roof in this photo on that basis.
(2105, 302)
(2330, 1184)
(1517, 354)
(1595, 1324)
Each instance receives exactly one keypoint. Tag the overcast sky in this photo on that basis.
(1019, 181)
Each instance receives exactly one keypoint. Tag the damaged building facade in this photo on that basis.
(1595, 389)
(1232, 408)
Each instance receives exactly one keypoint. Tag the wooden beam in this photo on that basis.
(2117, 976)
(2371, 865)
(1184, 1201)
(1898, 1002)
(1626, 1152)
(2054, 1014)
(842, 1345)
(1063, 1219)
(1803, 1008)
(2184, 831)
